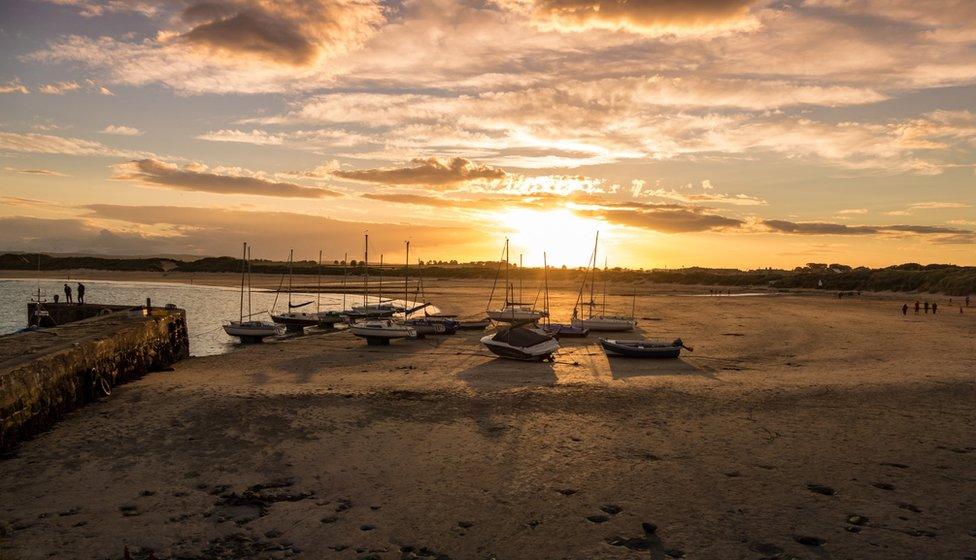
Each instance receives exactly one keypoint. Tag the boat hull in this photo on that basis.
(474, 325)
(605, 324)
(565, 331)
(505, 316)
(377, 333)
(536, 353)
(644, 349)
(251, 331)
(296, 321)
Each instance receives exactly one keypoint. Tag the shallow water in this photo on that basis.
(207, 307)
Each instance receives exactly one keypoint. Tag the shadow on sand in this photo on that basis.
(318, 361)
(624, 368)
(494, 374)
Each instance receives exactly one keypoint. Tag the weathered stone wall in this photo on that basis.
(63, 313)
(64, 367)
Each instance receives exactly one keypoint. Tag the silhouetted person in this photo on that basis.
(967, 301)
(935, 308)
(926, 307)
(916, 306)
(67, 293)
(904, 309)
(81, 293)
(56, 298)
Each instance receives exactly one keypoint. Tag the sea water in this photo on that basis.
(207, 307)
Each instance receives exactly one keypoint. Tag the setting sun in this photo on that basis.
(567, 239)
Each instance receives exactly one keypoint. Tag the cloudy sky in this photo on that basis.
(742, 133)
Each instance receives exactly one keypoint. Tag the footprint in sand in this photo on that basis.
(611, 509)
(597, 518)
(821, 489)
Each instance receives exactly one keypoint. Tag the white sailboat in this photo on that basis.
(249, 331)
(293, 321)
(599, 322)
(512, 311)
(378, 331)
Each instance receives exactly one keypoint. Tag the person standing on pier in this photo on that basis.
(67, 293)
(81, 293)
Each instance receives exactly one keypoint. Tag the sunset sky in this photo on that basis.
(729, 133)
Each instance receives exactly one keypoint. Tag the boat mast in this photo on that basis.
(596, 242)
(345, 274)
(249, 312)
(318, 287)
(381, 280)
(545, 280)
(291, 259)
(406, 279)
(508, 275)
(604, 286)
(521, 288)
(366, 273)
(243, 276)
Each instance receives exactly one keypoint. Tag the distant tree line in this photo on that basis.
(909, 277)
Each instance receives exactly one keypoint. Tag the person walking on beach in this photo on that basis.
(916, 307)
(935, 307)
(904, 309)
(81, 293)
(67, 293)
(967, 301)
(926, 307)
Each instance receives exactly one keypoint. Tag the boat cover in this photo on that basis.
(520, 338)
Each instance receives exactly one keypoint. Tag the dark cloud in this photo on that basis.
(254, 33)
(826, 228)
(433, 172)
(290, 32)
(665, 218)
(198, 178)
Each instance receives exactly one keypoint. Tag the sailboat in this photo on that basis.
(294, 321)
(380, 308)
(601, 322)
(428, 324)
(249, 331)
(378, 331)
(512, 311)
(326, 319)
(558, 330)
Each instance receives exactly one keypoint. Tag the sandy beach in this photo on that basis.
(802, 426)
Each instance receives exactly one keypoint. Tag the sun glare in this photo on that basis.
(567, 239)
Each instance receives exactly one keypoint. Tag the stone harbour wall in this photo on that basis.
(46, 373)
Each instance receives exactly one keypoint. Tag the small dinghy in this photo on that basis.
(519, 343)
(562, 330)
(379, 332)
(425, 327)
(653, 349)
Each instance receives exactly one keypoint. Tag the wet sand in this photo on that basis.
(801, 426)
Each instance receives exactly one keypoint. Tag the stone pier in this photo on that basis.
(45, 373)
